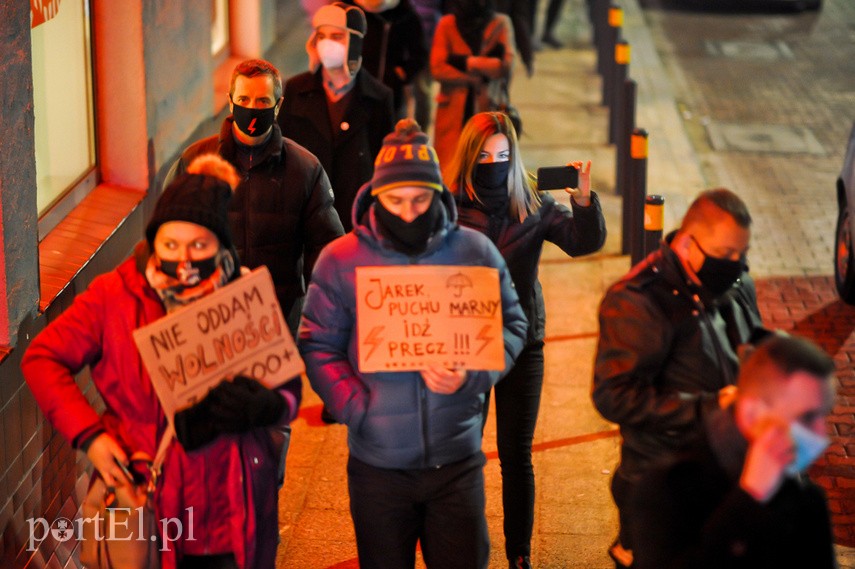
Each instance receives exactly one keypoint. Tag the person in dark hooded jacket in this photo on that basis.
(498, 198)
(415, 471)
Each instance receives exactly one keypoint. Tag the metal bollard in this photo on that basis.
(622, 53)
(600, 22)
(633, 201)
(625, 124)
(607, 50)
(654, 220)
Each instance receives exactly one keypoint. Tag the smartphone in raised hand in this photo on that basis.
(557, 177)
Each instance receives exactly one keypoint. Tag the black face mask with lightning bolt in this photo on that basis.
(253, 122)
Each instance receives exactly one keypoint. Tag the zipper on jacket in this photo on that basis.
(723, 362)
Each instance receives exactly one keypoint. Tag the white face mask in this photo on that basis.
(331, 53)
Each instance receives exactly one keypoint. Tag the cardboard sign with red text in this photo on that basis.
(411, 316)
(236, 330)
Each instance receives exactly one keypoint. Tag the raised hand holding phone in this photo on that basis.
(581, 194)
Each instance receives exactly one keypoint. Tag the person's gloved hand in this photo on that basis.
(195, 426)
(244, 404)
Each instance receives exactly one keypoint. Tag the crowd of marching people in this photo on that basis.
(321, 175)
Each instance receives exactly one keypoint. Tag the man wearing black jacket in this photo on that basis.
(282, 212)
(337, 110)
(394, 51)
(741, 498)
(670, 332)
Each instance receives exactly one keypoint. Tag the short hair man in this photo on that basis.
(337, 110)
(740, 498)
(282, 213)
(669, 335)
(415, 471)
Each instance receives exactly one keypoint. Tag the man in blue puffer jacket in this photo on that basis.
(415, 471)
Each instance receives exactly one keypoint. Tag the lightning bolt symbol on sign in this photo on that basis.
(251, 127)
(373, 339)
(484, 337)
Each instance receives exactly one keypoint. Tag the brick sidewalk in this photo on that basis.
(809, 306)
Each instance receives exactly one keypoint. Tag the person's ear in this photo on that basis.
(681, 245)
(278, 106)
(231, 103)
(752, 413)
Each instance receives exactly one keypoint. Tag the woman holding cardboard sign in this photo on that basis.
(215, 497)
(497, 197)
(415, 471)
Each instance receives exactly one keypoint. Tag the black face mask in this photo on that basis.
(718, 275)
(490, 180)
(409, 238)
(253, 122)
(190, 273)
(492, 175)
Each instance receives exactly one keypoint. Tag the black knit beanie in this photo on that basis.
(197, 198)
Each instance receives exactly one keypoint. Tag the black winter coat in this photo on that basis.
(691, 513)
(281, 214)
(577, 232)
(394, 39)
(348, 154)
(664, 353)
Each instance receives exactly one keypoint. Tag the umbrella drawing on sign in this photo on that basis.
(458, 282)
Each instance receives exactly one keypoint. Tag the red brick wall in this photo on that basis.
(809, 306)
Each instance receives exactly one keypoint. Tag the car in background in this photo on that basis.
(844, 263)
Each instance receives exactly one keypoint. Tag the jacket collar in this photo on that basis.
(311, 102)
(273, 148)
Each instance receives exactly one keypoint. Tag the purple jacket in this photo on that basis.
(96, 332)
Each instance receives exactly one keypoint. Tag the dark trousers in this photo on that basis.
(553, 10)
(517, 405)
(622, 488)
(443, 508)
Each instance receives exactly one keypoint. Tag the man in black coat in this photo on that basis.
(282, 212)
(394, 51)
(337, 110)
(741, 499)
(670, 332)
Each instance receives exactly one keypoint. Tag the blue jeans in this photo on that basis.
(443, 508)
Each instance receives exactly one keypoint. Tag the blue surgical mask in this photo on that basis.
(809, 447)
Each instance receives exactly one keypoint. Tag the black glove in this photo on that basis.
(458, 62)
(498, 51)
(245, 404)
(195, 426)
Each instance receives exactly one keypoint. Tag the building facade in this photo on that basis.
(86, 145)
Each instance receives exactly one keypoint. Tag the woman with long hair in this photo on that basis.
(498, 197)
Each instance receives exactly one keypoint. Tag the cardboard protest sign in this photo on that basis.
(410, 316)
(236, 330)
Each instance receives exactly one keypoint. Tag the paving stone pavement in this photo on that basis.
(575, 449)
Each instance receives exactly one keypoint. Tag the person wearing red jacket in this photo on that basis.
(220, 479)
